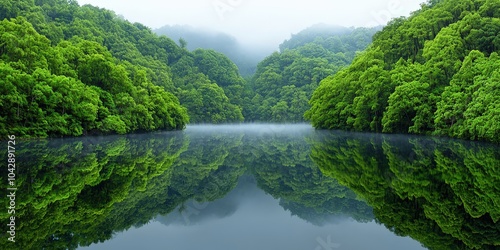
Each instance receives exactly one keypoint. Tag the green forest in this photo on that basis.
(80, 191)
(284, 81)
(71, 70)
(435, 72)
(441, 192)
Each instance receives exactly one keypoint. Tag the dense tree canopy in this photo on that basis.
(433, 72)
(75, 88)
(80, 191)
(69, 70)
(440, 192)
(285, 80)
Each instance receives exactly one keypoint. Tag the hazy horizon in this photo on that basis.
(259, 23)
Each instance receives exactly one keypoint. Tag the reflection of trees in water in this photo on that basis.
(81, 191)
(68, 188)
(443, 193)
(285, 170)
(196, 212)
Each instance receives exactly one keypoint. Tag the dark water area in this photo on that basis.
(254, 187)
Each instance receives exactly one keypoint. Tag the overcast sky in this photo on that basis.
(258, 21)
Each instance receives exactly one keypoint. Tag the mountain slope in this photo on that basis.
(245, 57)
(435, 72)
(128, 78)
(285, 80)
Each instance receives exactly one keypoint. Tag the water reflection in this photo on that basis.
(77, 192)
(443, 193)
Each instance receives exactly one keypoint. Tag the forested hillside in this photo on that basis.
(285, 81)
(435, 72)
(244, 56)
(68, 70)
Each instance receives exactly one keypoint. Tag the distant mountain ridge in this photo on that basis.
(331, 37)
(199, 38)
(285, 80)
(308, 35)
(244, 57)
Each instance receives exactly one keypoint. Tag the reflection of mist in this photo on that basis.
(314, 217)
(262, 189)
(194, 213)
(298, 130)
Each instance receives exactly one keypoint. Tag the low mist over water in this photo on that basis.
(251, 129)
(108, 113)
(257, 186)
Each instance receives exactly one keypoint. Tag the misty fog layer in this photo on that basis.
(267, 186)
(259, 23)
(259, 211)
(245, 56)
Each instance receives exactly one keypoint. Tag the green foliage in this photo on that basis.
(286, 80)
(78, 191)
(443, 193)
(209, 86)
(76, 86)
(284, 169)
(469, 107)
(352, 97)
(335, 39)
(427, 79)
(133, 80)
(81, 191)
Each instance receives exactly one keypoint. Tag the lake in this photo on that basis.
(255, 187)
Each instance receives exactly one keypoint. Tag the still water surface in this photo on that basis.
(257, 187)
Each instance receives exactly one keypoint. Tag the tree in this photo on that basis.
(419, 76)
(70, 86)
(182, 43)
